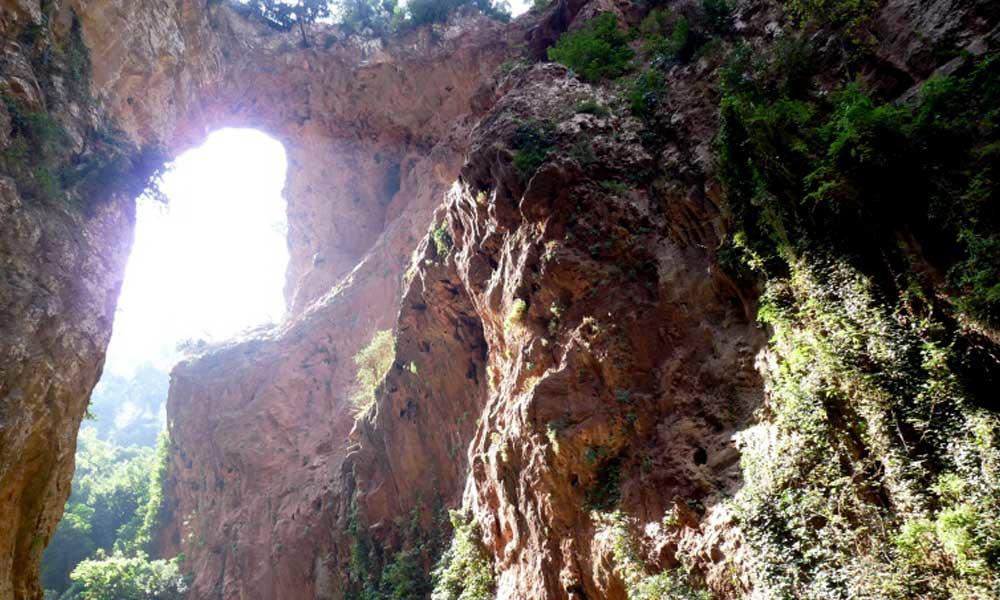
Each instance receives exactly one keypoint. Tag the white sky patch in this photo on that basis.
(212, 262)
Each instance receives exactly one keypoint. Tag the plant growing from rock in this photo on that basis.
(373, 362)
(464, 571)
(598, 51)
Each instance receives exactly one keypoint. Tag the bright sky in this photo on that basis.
(212, 262)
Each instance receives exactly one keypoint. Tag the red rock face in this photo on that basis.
(62, 270)
(574, 350)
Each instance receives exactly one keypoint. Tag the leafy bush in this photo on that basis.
(533, 142)
(367, 17)
(719, 15)
(598, 51)
(116, 505)
(464, 572)
(442, 240)
(836, 199)
(847, 171)
(630, 566)
(592, 107)
(645, 92)
(518, 308)
(605, 492)
(847, 16)
(36, 150)
(668, 37)
(285, 15)
(679, 45)
(373, 363)
(129, 578)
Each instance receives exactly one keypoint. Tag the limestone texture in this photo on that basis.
(572, 361)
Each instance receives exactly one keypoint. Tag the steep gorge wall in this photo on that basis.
(367, 127)
(62, 257)
(574, 369)
(630, 392)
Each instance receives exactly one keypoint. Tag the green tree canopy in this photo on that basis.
(119, 577)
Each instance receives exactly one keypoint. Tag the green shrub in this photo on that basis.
(533, 142)
(668, 36)
(848, 172)
(719, 15)
(422, 12)
(598, 51)
(373, 362)
(630, 565)
(978, 276)
(134, 578)
(583, 151)
(442, 240)
(605, 492)
(678, 46)
(592, 107)
(847, 16)
(515, 317)
(645, 93)
(833, 199)
(464, 571)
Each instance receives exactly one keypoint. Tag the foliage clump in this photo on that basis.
(366, 17)
(373, 362)
(118, 577)
(605, 491)
(442, 240)
(873, 471)
(630, 566)
(36, 151)
(845, 16)
(518, 308)
(598, 51)
(667, 36)
(847, 171)
(377, 573)
(115, 509)
(592, 107)
(464, 572)
(645, 93)
(533, 142)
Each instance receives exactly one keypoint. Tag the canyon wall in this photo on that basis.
(62, 261)
(573, 289)
(575, 372)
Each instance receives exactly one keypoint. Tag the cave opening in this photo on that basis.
(206, 265)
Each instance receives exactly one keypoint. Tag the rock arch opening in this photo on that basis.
(211, 262)
(205, 266)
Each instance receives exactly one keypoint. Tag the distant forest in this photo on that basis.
(104, 538)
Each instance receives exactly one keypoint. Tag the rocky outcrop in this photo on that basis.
(574, 370)
(62, 258)
(368, 128)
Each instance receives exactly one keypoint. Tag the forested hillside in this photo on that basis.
(100, 548)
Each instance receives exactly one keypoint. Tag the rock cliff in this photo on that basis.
(629, 358)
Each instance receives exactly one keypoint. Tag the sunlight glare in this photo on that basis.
(212, 262)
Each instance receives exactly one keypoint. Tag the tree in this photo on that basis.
(119, 577)
(285, 15)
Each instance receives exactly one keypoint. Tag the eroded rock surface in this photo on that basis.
(573, 368)
(62, 270)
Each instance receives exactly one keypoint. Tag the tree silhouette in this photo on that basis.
(285, 15)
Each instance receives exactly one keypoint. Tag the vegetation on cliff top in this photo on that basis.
(367, 17)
